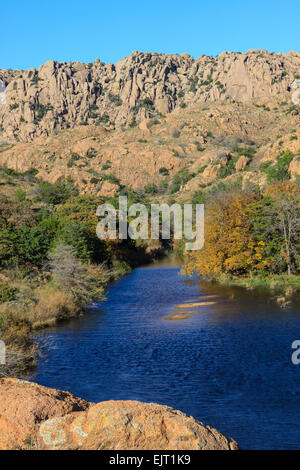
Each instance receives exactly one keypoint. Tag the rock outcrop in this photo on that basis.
(36, 417)
(294, 168)
(62, 95)
(24, 405)
(242, 163)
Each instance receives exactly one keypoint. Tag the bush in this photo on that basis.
(115, 99)
(227, 170)
(39, 110)
(150, 188)
(175, 188)
(198, 197)
(75, 278)
(164, 171)
(133, 123)
(106, 166)
(163, 185)
(103, 119)
(79, 236)
(111, 179)
(247, 151)
(20, 195)
(278, 171)
(182, 177)
(94, 180)
(74, 158)
(293, 109)
(147, 103)
(7, 293)
(56, 193)
(13, 106)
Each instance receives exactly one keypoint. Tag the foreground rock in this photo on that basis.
(32, 416)
(24, 405)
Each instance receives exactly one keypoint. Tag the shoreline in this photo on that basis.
(281, 283)
(22, 353)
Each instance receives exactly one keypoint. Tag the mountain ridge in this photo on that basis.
(57, 96)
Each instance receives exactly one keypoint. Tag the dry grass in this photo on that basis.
(52, 306)
(20, 350)
(46, 307)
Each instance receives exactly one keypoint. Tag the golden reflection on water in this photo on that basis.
(184, 311)
(195, 304)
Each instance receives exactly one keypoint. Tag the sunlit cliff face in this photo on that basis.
(2, 92)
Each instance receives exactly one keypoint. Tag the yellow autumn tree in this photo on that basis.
(229, 246)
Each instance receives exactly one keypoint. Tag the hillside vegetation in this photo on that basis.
(52, 262)
(158, 128)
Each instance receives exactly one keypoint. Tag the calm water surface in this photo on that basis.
(228, 363)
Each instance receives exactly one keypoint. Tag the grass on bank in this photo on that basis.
(282, 283)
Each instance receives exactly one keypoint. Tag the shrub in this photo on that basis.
(202, 168)
(77, 234)
(106, 166)
(103, 119)
(32, 245)
(164, 171)
(73, 277)
(228, 169)
(92, 114)
(163, 185)
(7, 293)
(175, 188)
(150, 188)
(147, 103)
(20, 195)
(74, 158)
(247, 151)
(39, 110)
(91, 153)
(293, 109)
(35, 79)
(133, 123)
(278, 171)
(115, 99)
(182, 177)
(56, 193)
(13, 106)
(198, 197)
(94, 180)
(111, 179)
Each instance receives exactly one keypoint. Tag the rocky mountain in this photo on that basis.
(58, 96)
(190, 149)
(162, 124)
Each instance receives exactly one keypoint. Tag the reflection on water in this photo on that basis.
(225, 357)
(183, 311)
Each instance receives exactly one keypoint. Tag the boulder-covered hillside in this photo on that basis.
(163, 124)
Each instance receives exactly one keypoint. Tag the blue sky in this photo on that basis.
(33, 32)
